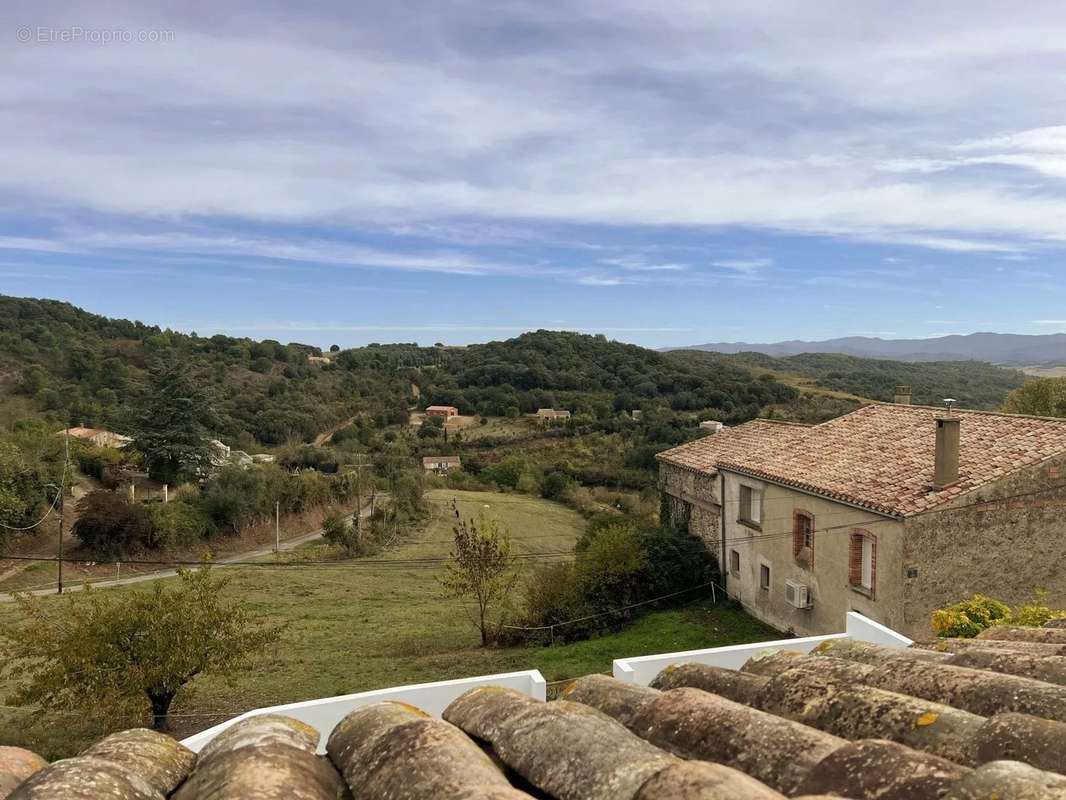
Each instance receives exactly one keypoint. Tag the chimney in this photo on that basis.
(946, 470)
(903, 396)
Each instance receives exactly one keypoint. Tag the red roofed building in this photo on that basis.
(442, 411)
(891, 511)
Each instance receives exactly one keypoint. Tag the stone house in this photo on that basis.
(553, 414)
(441, 464)
(892, 511)
(442, 411)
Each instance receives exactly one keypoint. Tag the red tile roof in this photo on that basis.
(881, 456)
(728, 444)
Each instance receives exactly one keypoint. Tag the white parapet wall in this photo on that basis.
(864, 629)
(433, 698)
(644, 669)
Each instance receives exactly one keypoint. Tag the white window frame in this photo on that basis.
(750, 511)
(866, 572)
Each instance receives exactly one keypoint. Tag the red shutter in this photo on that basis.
(855, 559)
(873, 564)
(797, 533)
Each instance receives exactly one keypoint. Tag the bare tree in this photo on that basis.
(480, 569)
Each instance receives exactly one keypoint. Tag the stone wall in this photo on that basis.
(692, 500)
(992, 542)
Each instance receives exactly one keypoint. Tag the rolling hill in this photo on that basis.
(997, 348)
(975, 384)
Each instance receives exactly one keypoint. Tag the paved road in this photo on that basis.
(288, 544)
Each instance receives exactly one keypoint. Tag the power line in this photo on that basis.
(55, 501)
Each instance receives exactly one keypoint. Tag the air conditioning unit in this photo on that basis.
(797, 595)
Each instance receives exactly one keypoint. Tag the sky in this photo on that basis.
(664, 173)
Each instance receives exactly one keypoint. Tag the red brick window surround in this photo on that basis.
(803, 536)
(862, 561)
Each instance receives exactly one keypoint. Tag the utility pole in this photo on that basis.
(62, 491)
(60, 583)
(277, 529)
(358, 516)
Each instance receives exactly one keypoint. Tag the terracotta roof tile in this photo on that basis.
(849, 720)
(880, 456)
(706, 453)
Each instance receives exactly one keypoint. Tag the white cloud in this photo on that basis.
(926, 130)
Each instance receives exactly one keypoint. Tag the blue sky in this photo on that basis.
(665, 173)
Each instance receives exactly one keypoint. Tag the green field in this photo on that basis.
(352, 629)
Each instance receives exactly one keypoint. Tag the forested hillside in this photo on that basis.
(591, 375)
(80, 368)
(975, 384)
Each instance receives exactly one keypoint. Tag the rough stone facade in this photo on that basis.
(693, 500)
(1002, 540)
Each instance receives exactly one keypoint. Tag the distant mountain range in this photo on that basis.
(998, 348)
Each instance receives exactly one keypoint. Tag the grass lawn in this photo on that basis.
(355, 629)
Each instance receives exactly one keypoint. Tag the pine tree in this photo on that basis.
(171, 424)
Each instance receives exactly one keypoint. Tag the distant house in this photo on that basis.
(318, 360)
(442, 411)
(711, 425)
(98, 437)
(636, 414)
(552, 414)
(441, 464)
(893, 511)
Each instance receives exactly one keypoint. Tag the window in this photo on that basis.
(764, 577)
(803, 537)
(750, 505)
(862, 561)
(734, 561)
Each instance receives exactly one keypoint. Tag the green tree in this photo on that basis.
(480, 569)
(171, 423)
(1043, 397)
(610, 565)
(130, 652)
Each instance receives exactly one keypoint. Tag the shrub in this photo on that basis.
(340, 531)
(505, 474)
(554, 485)
(178, 524)
(609, 565)
(110, 526)
(235, 497)
(970, 617)
(94, 461)
(1036, 612)
(552, 594)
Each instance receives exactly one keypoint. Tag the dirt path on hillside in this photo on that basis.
(325, 436)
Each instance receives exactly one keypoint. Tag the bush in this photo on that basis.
(970, 617)
(609, 565)
(551, 595)
(340, 531)
(506, 474)
(235, 497)
(178, 524)
(554, 485)
(1036, 612)
(94, 461)
(109, 526)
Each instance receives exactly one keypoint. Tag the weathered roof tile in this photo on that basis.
(880, 456)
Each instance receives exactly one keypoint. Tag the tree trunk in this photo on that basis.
(161, 701)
